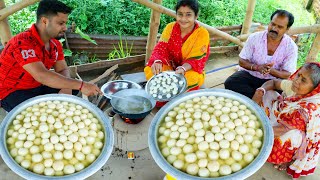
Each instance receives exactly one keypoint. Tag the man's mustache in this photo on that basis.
(273, 32)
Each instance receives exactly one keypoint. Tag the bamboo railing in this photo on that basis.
(248, 19)
(153, 30)
(5, 34)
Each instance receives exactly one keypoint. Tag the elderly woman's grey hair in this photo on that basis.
(314, 73)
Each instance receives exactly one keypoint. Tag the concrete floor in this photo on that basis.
(143, 167)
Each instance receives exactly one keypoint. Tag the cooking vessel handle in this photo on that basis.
(103, 102)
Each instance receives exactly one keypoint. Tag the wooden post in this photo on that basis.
(171, 13)
(314, 51)
(153, 31)
(16, 7)
(5, 34)
(309, 5)
(248, 18)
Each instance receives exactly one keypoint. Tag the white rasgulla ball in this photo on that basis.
(259, 133)
(248, 157)
(240, 139)
(203, 146)
(234, 145)
(192, 169)
(244, 149)
(224, 154)
(181, 143)
(213, 166)
(203, 172)
(209, 137)
(230, 136)
(248, 138)
(175, 151)
(241, 130)
(213, 155)
(214, 146)
(218, 137)
(191, 158)
(236, 167)
(225, 170)
(256, 143)
(178, 164)
(236, 155)
(200, 132)
(203, 163)
(69, 169)
(230, 125)
(254, 151)
(224, 144)
(224, 118)
(188, 148)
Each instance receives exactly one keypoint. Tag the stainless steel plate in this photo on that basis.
(181, 87)
(112, 87)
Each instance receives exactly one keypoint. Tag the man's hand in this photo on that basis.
(65, 91)
(264, 68)
(156, 68)
(90, 89)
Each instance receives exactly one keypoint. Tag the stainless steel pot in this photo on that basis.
(242, 174)
(88, 171)
(129, 93)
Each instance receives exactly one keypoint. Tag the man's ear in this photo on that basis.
(44, 20)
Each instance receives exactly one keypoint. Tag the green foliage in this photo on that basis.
(85, 36)
(23, 19)
(304, 45)
(129, 18)
(122, 51)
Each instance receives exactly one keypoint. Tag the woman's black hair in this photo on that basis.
(193, 4)
(51, 8)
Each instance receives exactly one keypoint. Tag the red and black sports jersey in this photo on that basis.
(26, 47)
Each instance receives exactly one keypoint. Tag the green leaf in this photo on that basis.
(85, 36)
(67, 52)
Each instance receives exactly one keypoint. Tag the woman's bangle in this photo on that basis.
(262, 89)
(157, 61)
(251, 67)
(182, 68)
(81, 86)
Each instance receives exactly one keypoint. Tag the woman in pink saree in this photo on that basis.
(295, 117)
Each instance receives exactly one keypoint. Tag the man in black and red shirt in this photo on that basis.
(26, 60)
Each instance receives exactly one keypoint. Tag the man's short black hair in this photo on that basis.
(193, 4)
(285, 13)
(51, 7)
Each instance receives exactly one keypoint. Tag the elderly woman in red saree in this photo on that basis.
(183, 47)
(295, 116)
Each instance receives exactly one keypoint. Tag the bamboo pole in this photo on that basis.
(248, 18)
(171, 13)
(292, 31)
(314, 50)
(153, 31)
(5, 34)
(4, 13)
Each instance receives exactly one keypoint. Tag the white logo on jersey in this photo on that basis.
(28, 53)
